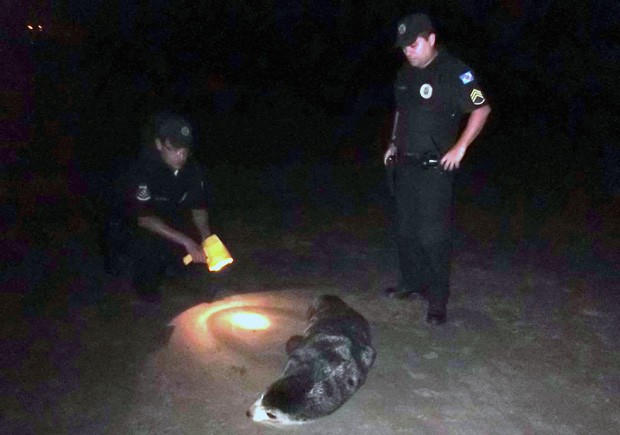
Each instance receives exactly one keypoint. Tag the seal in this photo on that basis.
(325, 366)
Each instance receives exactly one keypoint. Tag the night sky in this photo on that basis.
(263, 81)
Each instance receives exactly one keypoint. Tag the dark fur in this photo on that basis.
(326, 366)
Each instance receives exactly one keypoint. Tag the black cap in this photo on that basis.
(410, 27)
(175, 128)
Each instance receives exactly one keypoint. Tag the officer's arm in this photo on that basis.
(475, 124)
(200, 217)
(159, 227)
(397, 134)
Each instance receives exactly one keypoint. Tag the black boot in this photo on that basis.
(437, 315)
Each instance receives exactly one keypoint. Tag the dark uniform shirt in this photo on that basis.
(431, 101)
(154, 189)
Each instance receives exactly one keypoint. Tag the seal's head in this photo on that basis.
(286, 402)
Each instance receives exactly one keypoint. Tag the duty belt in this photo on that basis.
(408, 159)
(427, 160)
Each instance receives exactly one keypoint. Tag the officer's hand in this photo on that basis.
(452, 159)
(196, 251)
(391, 152)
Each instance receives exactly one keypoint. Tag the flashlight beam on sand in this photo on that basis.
(244, 326)
(253, 321)
(237, 316)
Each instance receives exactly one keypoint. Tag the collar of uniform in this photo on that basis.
(438, 60)
(155, 161)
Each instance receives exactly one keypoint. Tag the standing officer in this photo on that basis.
(432, 91)
(161, 214)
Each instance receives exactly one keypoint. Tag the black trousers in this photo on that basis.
(150, 256)
(424, 205)
(147, 255)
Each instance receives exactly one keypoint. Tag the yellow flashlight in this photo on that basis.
(217, 254)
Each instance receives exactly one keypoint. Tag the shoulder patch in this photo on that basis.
(467, 77)
(143, 193)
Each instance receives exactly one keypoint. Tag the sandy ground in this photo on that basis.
(531, 345)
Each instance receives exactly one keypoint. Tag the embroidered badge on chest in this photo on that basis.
(426, 91)
(143, 193)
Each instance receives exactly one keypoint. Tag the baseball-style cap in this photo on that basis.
(410, 27)
(175, 128)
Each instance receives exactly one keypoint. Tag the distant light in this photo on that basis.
(252, 321)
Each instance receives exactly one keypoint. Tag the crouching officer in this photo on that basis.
(161, 213)
(432, 91)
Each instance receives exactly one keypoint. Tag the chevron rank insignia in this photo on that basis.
(476, 97)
